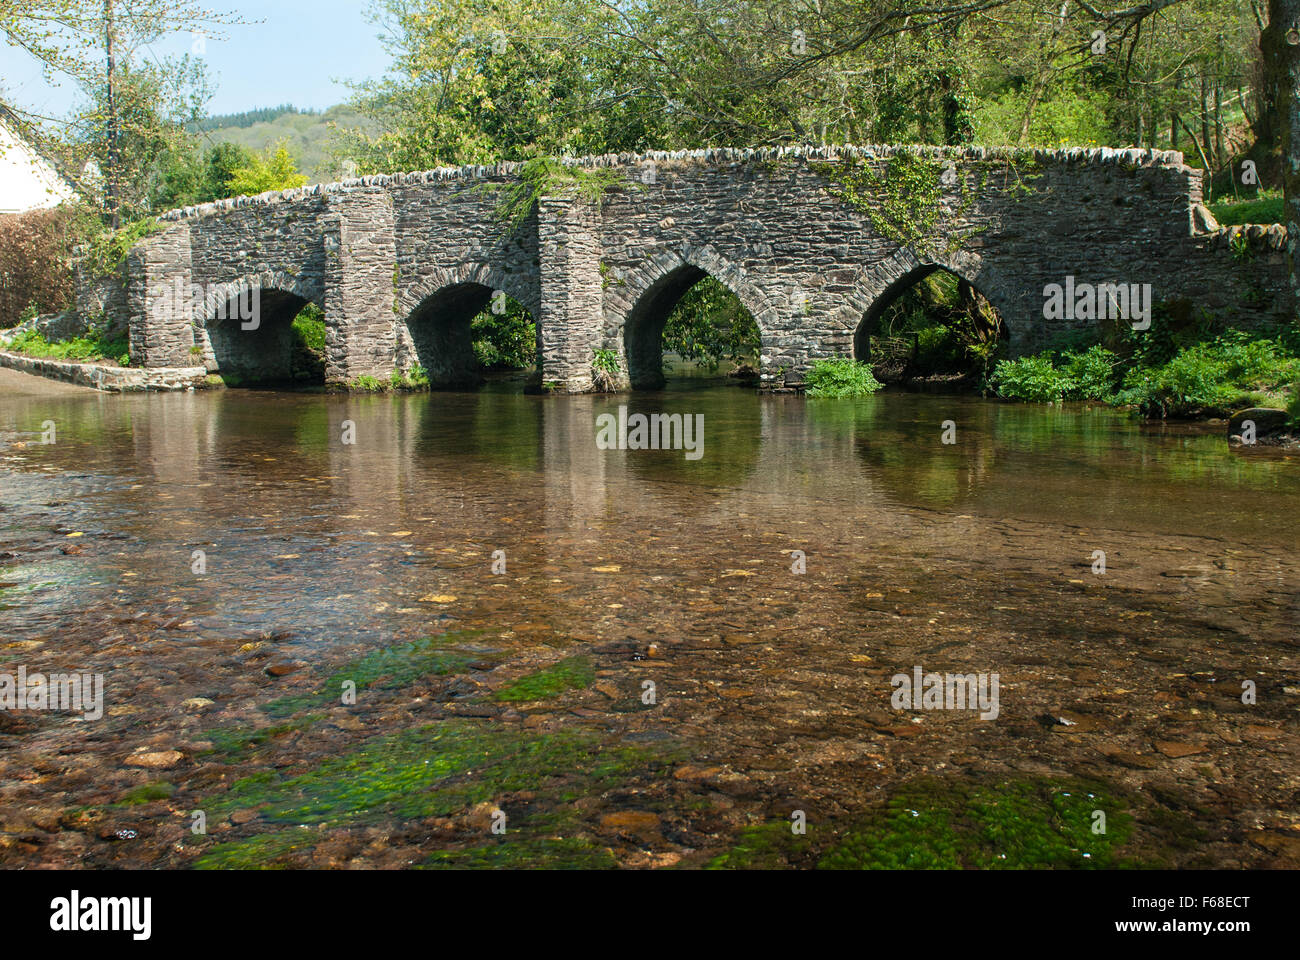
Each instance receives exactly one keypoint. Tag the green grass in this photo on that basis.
(85, 349)
(1266, 208)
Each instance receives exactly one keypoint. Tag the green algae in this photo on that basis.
(234, 742)
(943, 825)
(533, 853)
(1021, 825)
(572, 673)
(435, 771)
(146, 793)
(392, 667)
(261, 852)
(763, 846)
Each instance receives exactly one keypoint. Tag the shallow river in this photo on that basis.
(563, 655)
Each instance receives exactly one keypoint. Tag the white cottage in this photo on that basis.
(27, 180)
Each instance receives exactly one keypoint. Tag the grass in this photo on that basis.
(87, 349)
(1266, 208)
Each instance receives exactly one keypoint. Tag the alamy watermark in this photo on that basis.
(1102, 301)
(657, 431)
(951, 691)
(62, 692)
(243, 304)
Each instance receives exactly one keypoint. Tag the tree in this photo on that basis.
(96, 43)
(1280, 43)
(272, 170)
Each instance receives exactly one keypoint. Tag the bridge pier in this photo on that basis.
(158, 300)
(572, 293)
(360, 237)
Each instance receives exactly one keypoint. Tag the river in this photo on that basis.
(450, 630)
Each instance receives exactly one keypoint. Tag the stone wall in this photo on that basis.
(110, 379)
(402, 263)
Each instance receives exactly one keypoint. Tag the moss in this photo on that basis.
(261, 852)
(572, 673)
(765, 846)
(436, 770)
(944, 825)
(392, 667)
(146, 793)
(533, 853)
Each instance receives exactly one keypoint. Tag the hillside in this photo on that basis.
(308, 135)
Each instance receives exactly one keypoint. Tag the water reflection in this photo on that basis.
(309, 534)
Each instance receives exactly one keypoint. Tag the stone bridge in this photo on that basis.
(401, 264)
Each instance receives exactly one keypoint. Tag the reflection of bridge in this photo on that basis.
(401, 264)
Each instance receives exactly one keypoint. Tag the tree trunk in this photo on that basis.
(1280, 45)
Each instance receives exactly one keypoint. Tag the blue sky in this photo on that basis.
(295, 54)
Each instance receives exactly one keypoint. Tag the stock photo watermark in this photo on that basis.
(656, 431)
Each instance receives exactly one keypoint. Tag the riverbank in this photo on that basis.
(109, 378)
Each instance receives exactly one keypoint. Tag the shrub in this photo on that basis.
(1212, 378)
(605, 368)
(1034, 379)
(1091, 374)
(36, 263)
(1293, 405)
(839, 377)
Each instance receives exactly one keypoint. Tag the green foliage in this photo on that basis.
(273, 170)
(1293, 404)
(606, 365)
(1266, 208)
(88, 349)
(307, 351)
(107, 250)
(547, 177)
(201, 177)
(366, 384)
(607, 360)
(1049, 378)
(902, 200)
(1161, 374)
(506, 341)
(1213, 378)
(709, 324)
(840, 377)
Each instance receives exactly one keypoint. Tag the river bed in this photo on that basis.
(470, 637)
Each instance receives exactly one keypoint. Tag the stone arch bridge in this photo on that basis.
(400, 264)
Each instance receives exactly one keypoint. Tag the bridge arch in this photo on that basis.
(245, 326)
(437, 311)
(638, 306)
(881, 284)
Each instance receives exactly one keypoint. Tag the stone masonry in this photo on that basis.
(401, 264)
